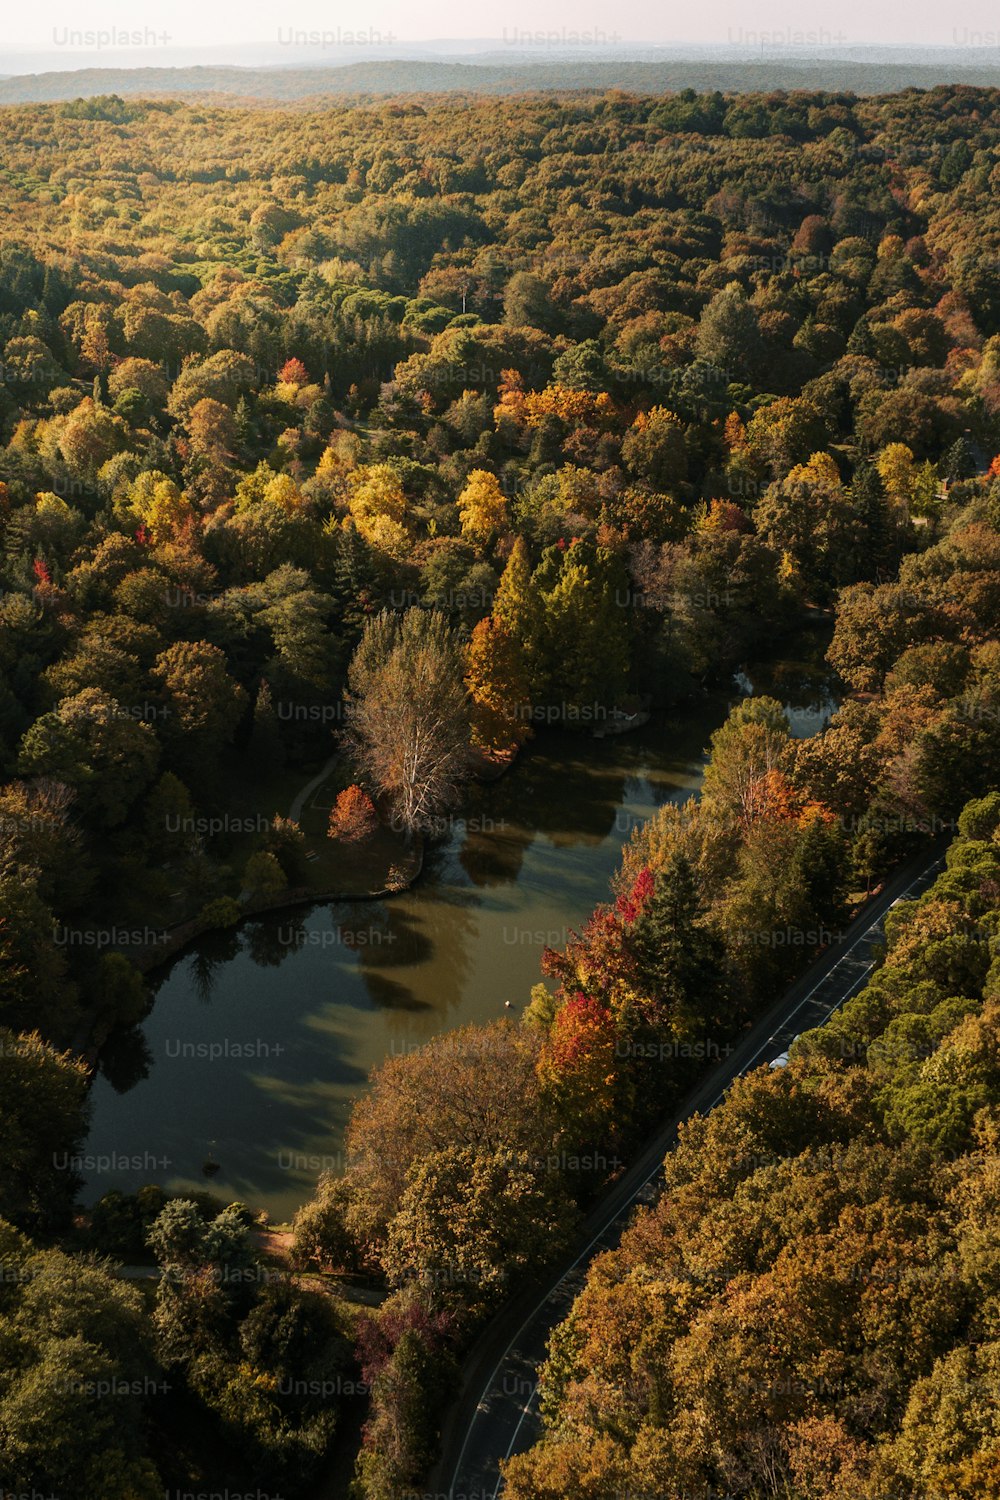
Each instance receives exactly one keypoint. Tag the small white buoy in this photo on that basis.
(506, 1005)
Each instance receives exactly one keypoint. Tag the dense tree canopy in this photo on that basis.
(389, 431)
(809, 1308)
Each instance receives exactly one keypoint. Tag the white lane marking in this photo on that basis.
(510, 1446)
(630, 1202)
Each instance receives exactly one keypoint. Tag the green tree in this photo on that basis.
(43, 1119)
(470, 1223)
(208, 1281)
(654, 448)
(96, 746)
(680, 958)
(526, 301)
(204, 703)
(754, 740)
(79, 1381)
(266, 748)
(36, 992)
(584, 646)
(263, 877)
(728, 333)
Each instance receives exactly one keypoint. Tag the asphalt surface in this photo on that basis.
(496, 1414)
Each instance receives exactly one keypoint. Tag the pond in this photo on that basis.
(242, 1077)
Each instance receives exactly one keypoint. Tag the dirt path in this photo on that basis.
(299, 801)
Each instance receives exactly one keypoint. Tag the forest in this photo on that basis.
(592, 64)
(396, 431)
(810, 1307)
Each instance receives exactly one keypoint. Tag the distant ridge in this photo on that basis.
(227, 84)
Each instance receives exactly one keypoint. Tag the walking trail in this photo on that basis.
(299, 801)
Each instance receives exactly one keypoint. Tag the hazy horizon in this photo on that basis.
(65, 37)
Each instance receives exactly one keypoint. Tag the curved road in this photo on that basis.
(299, 801)
(496, 1414)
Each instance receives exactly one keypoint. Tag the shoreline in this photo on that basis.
(186, 933)
(486, 770)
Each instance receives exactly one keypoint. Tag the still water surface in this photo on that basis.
(260, 1039)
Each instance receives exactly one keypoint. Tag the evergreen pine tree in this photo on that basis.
(681, 961)
(266, 747)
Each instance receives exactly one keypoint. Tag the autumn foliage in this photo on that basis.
(579, 1069)
(352, 817)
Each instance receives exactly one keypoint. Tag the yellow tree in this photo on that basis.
(482, 507)
(95, 347)
(898, 473)
(820, 469)
(90, 435)
(160, 506)
(926, 491)
(284, 492)
(212, 430)
(378, 507)
(517, 608)
(497, 680)
(517, 599)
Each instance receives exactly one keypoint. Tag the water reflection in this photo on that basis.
(805, 684)
(492, 849)
(261, 1037)
(125, 1060)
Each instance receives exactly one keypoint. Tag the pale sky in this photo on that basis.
(53, 33)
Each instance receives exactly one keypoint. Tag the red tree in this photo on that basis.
(293, 372)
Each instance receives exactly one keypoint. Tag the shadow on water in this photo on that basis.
(492, 849)
(261, 1038)
(214, 952)
(125, 1060)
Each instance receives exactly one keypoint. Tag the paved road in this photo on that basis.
(299, 801)
(496, 1414)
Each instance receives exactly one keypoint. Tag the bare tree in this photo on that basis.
(408, 714)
